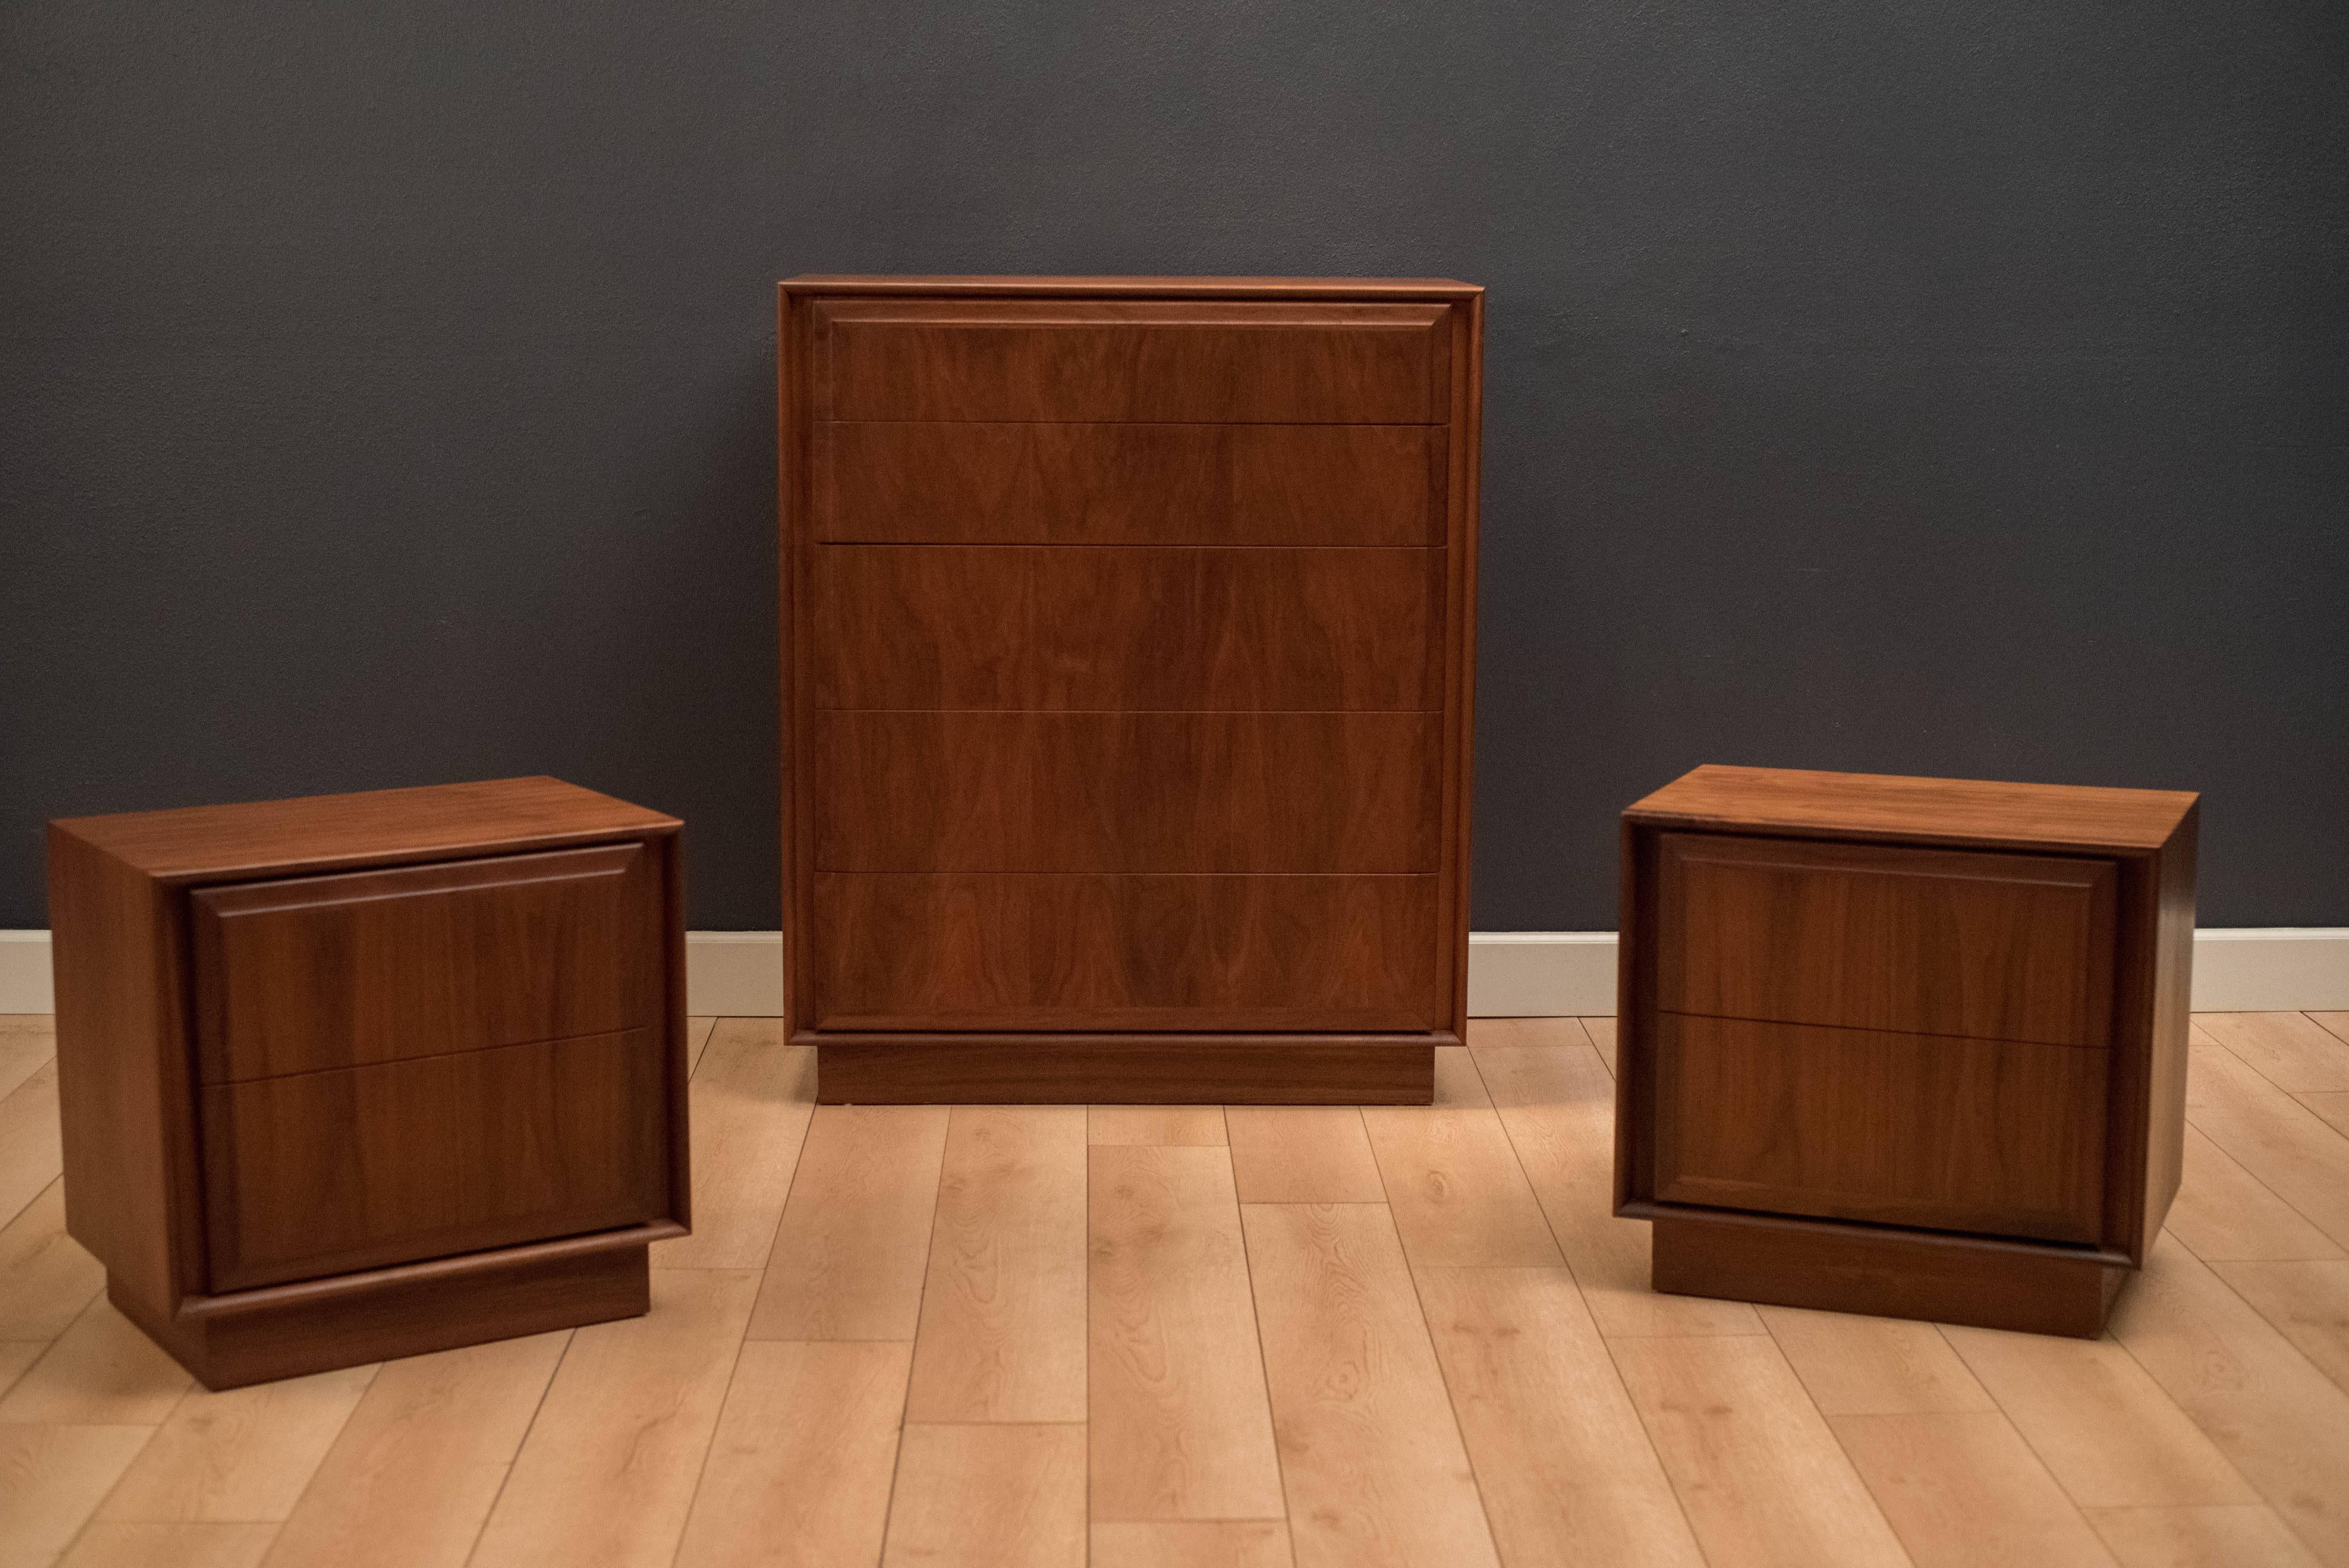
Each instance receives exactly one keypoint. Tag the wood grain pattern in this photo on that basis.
(750, 1100)
(376, 826)
(2273, 1136)
(1856, 1366)
(2101, 1424)
(606, 1475)
(800, 1469)
(1227, 953)
(1761, 1476)
(1993, 1136)
(2246, 1536)
(31, 1142)
(330, 1172)
(1968, 812)
(1346, 792)
(1254, 362)
(1002, 1335)
(1038, 628)
(1557, 1105)
(1127, 484)
(113, 1543)
(412, 1474)
(1163, 1068)
(1371, 1455)
(1302, 1154)
(2224, 1213)
(995, 1496)
(1196, 1126)
(2308, 1303)
(300, 975)
(2249, 1389)
(1996, 946)
(850, 1254)
(101, 1372)
(242, 1455)
(2332, 1107)
(54, 1476)
(1962, 1487)
(1565, 1468)
(1193, 1544)
(1457, 1194)
(1180, 1427)
(2291, 1050)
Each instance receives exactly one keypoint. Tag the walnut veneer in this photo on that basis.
(362, 1076)
(1127, 633)
(1911, 1047)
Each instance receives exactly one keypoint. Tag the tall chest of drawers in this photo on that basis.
(1126, 643)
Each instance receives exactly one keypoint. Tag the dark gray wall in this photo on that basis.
(385, 394)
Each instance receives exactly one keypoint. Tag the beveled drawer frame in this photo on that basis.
(1308, 1065)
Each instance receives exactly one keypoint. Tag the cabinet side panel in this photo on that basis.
(1466, 360)
(794, 526)
(122, 1068)
(2173, 985)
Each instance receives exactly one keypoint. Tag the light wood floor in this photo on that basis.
(1039, 1336)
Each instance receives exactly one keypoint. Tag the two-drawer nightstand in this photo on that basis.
(363, 1076)
(1913, 1047)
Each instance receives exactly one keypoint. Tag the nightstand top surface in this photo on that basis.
(1133, 287)
(2078, 818)
(377, 827)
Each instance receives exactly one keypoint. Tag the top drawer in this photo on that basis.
(1227, 362)
(1863, 937)
(416, 961)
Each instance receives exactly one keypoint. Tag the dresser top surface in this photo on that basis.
(1135, 287)
(1962, 811)
(377, 827)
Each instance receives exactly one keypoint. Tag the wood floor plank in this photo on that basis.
(31, 1150)
(1602, 1036)
(412, 1474)
(2245, 1536)
(2307, 1303)
(1856, 1366)
(1763, 1479)
(1190, 1124)
(2240, 1380)
(1180, 1428)
(23, 1051)
(697, 1038)
(1459, 1198)
(16, 1356)
(1962, 1487)
(46, 1278)
(2113, 1439)
(52, 1479)
(1526, 1032)
(605, 1476)
(1302, 1154)
(2273, 1136)
(146, 1544)
(1371, 1457)
(2291, 1050)
(101, 1371)
(2333, 1107)
(1557, 1105)
(1566, 1469)
(1193, 1544)
(750, 1104)
(2222, 1210)
(243, 1454)
(799, 1472)
(995, 1496)
(854, 1240)
(1002, 1335)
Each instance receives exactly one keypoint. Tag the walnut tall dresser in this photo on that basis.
(1127, 632)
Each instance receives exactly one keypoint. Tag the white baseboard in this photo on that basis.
(1510, 974)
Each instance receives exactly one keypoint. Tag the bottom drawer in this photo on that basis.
(1993, 1136)
(328, 1172)
(1041, 951)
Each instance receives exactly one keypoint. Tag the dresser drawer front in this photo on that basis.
(1027, 952)
(328, 1172)
(313, 973)
(2010, 947)
(1352, 792)
(2000, 1137)
(1147, 629)
(943, 482)
(1236, 362)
